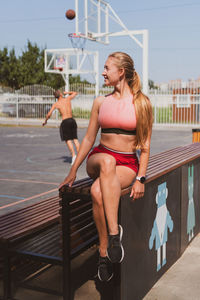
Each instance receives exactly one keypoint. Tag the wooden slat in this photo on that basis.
(29, 220)
(29, 207)
(171, 163)
(30, 230)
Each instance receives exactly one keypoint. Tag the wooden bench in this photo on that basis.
(21, 224)
(78, 230)
(35, 233)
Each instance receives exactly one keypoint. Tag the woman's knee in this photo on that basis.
(107, 164)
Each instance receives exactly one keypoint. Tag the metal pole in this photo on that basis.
(86, 18)
(99, 19)
(66, 77)
(155, 110)
(77, 16)
(145, 62)
(96, 67)
(107, 25)
(17, 107)
(125, 28)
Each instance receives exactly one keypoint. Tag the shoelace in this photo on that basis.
(114, 240)
(102, 261)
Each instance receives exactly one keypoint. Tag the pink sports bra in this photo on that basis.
(117, 116)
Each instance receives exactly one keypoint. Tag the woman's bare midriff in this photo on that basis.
(118, 142)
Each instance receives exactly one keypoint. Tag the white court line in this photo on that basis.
(27, 199)
(11, 197)
(32, 181)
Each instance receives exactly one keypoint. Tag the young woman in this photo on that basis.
(125, 119)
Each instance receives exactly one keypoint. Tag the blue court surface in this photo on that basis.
(34, 161)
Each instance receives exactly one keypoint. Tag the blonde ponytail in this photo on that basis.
(143, 111)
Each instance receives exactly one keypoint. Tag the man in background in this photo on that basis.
(68, 126)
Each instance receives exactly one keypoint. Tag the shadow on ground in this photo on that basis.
(84, 281)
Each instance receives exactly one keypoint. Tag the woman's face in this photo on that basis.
(111, 72)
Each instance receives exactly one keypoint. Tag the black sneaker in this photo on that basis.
(115, 250)
(105, 270)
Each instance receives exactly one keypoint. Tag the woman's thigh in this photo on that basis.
(125, 174)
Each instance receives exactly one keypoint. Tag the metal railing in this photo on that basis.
(33, 102)
(176, 109)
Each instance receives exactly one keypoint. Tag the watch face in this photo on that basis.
(142, 179)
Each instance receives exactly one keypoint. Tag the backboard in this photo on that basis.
(92, 19)
(72, 61)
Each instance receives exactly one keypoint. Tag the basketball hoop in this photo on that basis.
(78, 41)
(58, 68)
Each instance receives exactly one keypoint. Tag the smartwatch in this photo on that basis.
(141, 178)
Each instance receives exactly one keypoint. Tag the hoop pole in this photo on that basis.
(145, 62)
(107, 25)
(66, 75)
(66, 79)
(86, 18)
(77, 16)
(99, 19)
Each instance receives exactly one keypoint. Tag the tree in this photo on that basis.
(30, 65)
(28, 69)
(77, 79)
(13, 79)
(152, 85)
(4, 66)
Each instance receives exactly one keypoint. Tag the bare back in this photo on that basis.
(64, 107)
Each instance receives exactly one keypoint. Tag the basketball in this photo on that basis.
(70, 14)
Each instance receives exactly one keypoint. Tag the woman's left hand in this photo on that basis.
(69, 179)
(137, 190)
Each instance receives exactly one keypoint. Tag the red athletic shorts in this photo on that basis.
(122, 158)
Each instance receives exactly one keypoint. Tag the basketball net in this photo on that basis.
(77, 41)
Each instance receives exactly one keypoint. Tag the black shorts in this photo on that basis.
(68, 129)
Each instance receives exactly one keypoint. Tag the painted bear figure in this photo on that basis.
(162, 222)
(191, 211)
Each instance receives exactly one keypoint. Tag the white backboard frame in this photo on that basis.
(104, 13)
(53, 63)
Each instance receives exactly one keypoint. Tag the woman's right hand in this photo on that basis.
(69, 179)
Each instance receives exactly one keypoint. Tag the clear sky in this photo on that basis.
(174, 32)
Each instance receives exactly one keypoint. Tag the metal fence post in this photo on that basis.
(17, 107)
(155, 111)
